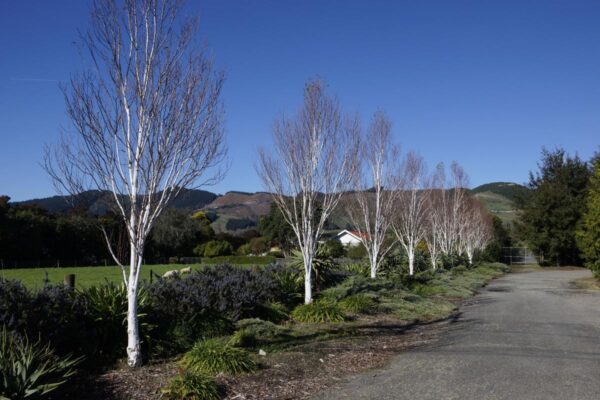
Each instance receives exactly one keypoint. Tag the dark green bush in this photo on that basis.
(15, 305)
(321, 311)
(334, 248)
(203, 304)
(191, 386)
(214, 248)
(30, 370)
(356, 252)
(212, 356)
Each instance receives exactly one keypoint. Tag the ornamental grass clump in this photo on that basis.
(321, 311)
(212, 356)
(358, 304)
(191, 386)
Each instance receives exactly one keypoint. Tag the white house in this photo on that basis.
(350, 238)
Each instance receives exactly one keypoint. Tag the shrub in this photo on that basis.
(30, 370)
(191, 386)
(214, 248)
(362, 269)
(289, 283)
(273, 312)
(244, 249)
(358, 303)
(321, 265)
(356, 252)
(15, 303)
(62, 317)
(334, 248)
(107, 305)
(202, 304)
(253, 331)
(212, 356)
(320, 311)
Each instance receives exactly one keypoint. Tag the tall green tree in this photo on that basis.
(552, 208)
(588, 234)
(276, 230)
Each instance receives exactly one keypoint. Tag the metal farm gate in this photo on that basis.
(518, 256)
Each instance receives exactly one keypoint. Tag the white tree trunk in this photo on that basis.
(134, 351)
(411, 260)
(374, 266)
(308, 258)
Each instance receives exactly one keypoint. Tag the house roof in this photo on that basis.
(356, 234)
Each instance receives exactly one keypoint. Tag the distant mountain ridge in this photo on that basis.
(98, 202)
(236, 211)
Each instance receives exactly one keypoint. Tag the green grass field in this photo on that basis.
(84, 276)
(90, 276)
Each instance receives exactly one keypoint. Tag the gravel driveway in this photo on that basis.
(526, 336)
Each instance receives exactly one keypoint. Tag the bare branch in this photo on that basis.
(315, 155)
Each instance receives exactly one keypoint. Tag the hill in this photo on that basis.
(499, 197)
(237, 212)
(508, 190)
(98, 202)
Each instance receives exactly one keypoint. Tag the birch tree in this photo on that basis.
(436, 198)
(146, 123)
(449, 208)
(410, 224)
(477, 229)
(314, 159)
(372, 204)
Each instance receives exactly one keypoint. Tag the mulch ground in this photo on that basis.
(297, 373)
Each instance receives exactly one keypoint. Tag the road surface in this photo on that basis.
(526, 336)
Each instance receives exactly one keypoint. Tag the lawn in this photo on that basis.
(84, 276)
(90, 276)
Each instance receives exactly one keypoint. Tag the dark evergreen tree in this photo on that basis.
(552, 208)
(588, 234)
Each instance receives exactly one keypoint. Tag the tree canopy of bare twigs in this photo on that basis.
(412, 209)
(314, 158)
(457, 223)
(371, 205)
(477, 228)
(146, 122)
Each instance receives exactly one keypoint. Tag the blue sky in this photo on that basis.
(486, 83)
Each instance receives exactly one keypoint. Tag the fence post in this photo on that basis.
(69, 280)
